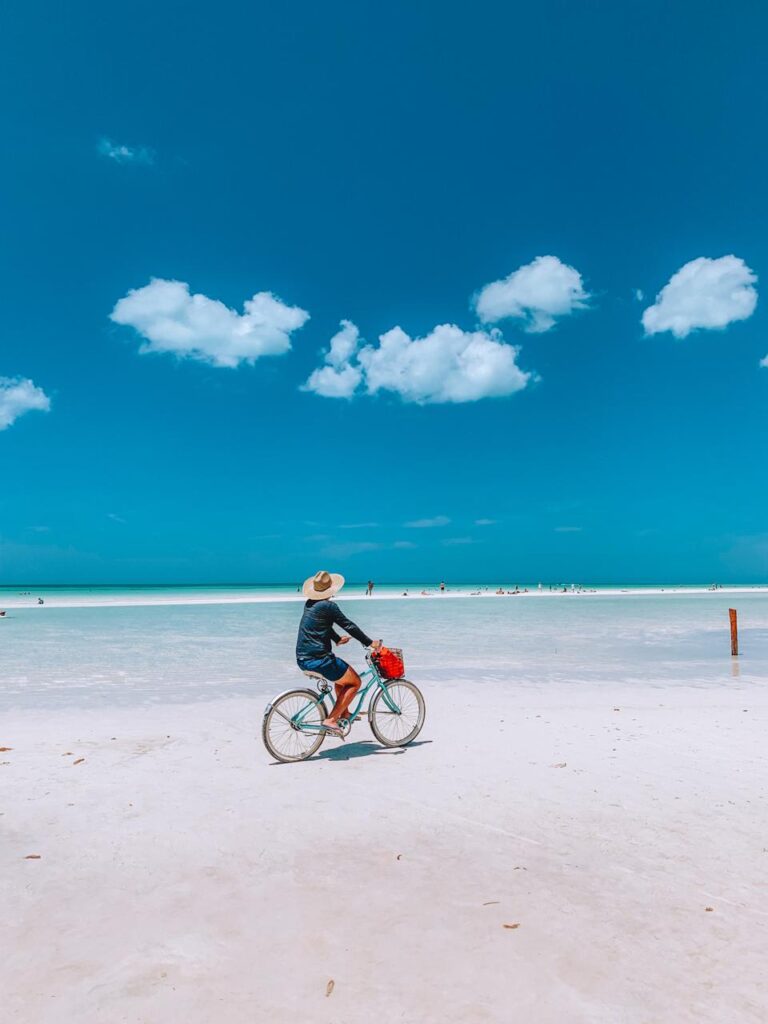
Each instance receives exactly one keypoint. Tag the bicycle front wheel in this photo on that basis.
(287, 739)
(400, 724)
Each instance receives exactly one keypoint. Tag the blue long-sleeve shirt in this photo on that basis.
(316, 629)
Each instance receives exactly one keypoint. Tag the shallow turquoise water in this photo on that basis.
(53, 657)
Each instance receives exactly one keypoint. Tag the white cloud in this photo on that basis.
(705, 293)
(764, 361)
(447, 365)
(17, 396)
(338, 378)
(344, 344)
(124, 154)
(458, 541)
(538, 293)
(194, 326)
(567, 529)
(485, 522)
(349, 550)
(329, 382)
(425, 524)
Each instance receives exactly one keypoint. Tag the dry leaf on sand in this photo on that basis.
(709, 908)
(3, 749)
(561, 764)
(515, 925)
(329, 987)
(491, 903)
(79, 760)
(32, 856)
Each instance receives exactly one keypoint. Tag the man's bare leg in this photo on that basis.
(346, 688)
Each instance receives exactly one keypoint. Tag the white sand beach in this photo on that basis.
(582, 847)
(128, 597)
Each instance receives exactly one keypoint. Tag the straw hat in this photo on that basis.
(322, 586)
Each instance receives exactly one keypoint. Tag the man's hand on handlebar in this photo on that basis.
(375, 646)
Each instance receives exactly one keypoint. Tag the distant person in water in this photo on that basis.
(442, 587)
(40, 600)
(369, 590)
(316, 634)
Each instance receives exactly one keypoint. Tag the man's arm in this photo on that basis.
(341, 620)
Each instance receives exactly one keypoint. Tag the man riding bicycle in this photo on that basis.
(316, 633)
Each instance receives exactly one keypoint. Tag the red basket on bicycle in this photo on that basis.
(389, 662)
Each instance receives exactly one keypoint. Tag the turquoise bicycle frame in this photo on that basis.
(372, 674)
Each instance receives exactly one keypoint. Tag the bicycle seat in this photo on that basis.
(324, 684)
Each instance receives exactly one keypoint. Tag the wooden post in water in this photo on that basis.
(734, 632)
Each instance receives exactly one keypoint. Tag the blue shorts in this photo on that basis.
(329, 666)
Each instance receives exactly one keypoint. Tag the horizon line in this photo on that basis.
(393, 583)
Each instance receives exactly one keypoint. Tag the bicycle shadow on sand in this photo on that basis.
(363, 748)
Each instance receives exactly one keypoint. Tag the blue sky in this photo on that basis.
(383, 165)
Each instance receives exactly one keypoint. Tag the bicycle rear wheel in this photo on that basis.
(397, 728)
(284, 739)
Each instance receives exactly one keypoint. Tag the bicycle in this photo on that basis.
(292, 728)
